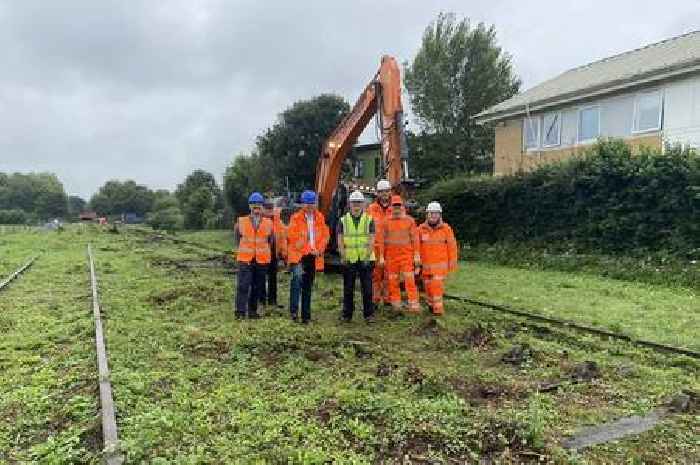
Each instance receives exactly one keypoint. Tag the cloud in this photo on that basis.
(152, 90)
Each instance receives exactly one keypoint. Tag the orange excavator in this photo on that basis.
(381, 99)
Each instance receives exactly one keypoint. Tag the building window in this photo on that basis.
(551, 136)
(531, 133)
(588, 124)
(359, 168)
(647, 112)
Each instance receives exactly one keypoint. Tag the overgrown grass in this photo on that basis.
(192, 385)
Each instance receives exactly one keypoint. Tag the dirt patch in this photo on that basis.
(479, 392)
(385, 368)
(414, 375)
(477, 338)
(326, 411)
(585, 371)
(216, 348)
(91, 439)
(428, 328)
(518, 355)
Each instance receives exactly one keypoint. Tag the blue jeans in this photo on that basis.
(303, 274)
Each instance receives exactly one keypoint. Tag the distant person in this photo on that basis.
(401, 255)
(279, 252)
(253, 235)
(356, 232)
(380, 210)
(439, 253)
(307, 238)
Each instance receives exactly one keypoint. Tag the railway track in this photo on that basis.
(6, 282)
(574, 325)
(111, 452)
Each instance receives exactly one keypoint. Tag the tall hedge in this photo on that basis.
(606, 200)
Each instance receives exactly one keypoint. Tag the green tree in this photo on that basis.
(166, 212)
(117, 197)
(291, 147)
(245, 175)
(458, 72)
(75, 205)
(40, 195)
(201, 201)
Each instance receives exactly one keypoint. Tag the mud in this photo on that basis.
(518, 355)
(414, 375)
(477, 337)
(327, 410)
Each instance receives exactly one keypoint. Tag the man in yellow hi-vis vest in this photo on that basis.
(356, 231)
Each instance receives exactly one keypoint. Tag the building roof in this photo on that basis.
(669, 58)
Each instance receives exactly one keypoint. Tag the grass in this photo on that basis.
(192, 385)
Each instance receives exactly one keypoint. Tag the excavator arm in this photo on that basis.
(383, 96)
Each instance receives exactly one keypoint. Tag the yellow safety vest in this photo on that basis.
(356, 238)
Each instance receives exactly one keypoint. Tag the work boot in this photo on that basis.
(344, 319)
(370, 320)
(295, 317)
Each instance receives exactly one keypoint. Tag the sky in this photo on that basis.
(94, 90)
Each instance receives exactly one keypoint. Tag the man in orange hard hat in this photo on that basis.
(438, 252)
(379, 210)
(402, 256)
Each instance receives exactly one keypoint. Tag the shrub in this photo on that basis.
(13, 217)
(606, 200)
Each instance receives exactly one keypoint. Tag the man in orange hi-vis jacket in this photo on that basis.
(438, 252)
(380, 210)
(401, 255)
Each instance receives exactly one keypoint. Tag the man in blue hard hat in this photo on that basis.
(307, 238)
(254, 238)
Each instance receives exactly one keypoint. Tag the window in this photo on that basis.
(531, 130)
(359, 169)
(588, 124)
(552, 130)
(647, 112)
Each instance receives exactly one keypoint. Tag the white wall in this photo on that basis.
(682, 112)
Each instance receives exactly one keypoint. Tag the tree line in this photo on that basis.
(458, 71)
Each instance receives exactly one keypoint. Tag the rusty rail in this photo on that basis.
(16, 274)
(111, 452)
(577, 326)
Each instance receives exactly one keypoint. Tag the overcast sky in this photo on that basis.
(96, 90)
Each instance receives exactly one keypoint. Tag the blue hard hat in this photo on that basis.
(255, 197)
(308, 197)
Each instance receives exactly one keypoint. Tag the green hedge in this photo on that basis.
(606, 200)
(15, 216)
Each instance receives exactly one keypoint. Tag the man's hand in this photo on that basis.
(416, 262)
(380, 262)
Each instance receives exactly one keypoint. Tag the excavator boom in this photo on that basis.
(382, 95)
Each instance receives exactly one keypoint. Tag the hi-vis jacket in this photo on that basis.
(298, 243)
(438, 249)
(254, 244)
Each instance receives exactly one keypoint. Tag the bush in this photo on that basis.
(605, 201)
(13, 217)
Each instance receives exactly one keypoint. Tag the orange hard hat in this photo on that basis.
(396, 200)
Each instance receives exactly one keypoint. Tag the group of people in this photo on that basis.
(379, 245)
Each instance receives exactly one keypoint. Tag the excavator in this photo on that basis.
(380, 99)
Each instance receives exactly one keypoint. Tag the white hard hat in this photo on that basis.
(357, 197)
(383, 185)
(434, 207)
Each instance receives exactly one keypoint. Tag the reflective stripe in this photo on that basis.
(434, 266)
(356, 238)
(433, 241)
(397, 241)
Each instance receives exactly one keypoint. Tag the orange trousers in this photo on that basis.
(380, 288)
(434, 290)
(398, 270)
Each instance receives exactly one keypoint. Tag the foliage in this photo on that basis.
(604, 201)
(201, 201)
(245, 175)
(291, 147)
(76, 205)
(166, 213)
(13, 217)
(118, 197)
(39, 195)
(459, 71)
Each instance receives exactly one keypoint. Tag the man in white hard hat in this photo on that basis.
(438, 252)
(356, 231)
(380, 210)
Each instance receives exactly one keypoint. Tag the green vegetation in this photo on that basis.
(31, 197)
(192, 385)
(607, 201)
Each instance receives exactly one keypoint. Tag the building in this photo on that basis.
(648, 97)
(365, 166)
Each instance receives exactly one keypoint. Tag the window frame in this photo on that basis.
(538, 142)
(635, 112)
(544, 136)
(578, 124)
